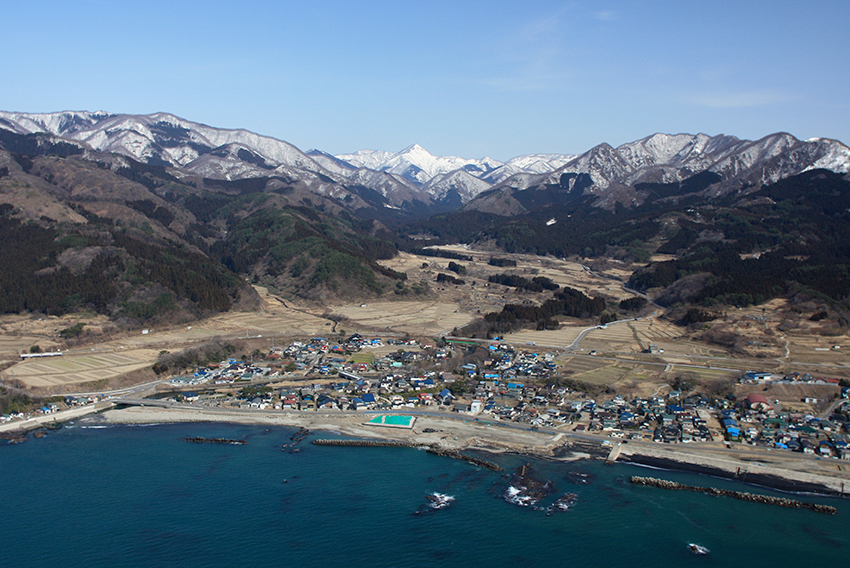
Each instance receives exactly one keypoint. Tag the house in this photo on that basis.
(326, 402)
(757, 402)
(755, 377)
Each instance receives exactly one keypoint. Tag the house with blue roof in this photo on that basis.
(446, 396)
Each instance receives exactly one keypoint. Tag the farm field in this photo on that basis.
(66, 370)
(415, 318)
(769, 337)
(562, 272)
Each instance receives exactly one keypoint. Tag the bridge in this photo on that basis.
(133, 401)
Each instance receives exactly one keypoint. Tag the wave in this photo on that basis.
(517, 496)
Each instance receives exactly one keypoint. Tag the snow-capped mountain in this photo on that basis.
(440, 175)
(414, 175)
(164, 139)
(159, 137)
(669, 158)
(416, 163)
(458, 182)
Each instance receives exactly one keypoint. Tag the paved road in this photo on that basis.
(61, 416)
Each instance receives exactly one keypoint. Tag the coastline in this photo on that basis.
(773, 471)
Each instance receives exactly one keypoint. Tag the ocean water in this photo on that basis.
(141, 496)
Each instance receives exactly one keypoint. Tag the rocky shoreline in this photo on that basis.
(768, 481)
(455, 435)
(435, 449)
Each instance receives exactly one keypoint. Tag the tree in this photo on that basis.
(457, 388)
(72, 331)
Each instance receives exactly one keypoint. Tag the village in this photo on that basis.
(515, 385)
(492, 381)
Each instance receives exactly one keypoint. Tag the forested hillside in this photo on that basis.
(141, 242)
(138, 242)
(745, 247)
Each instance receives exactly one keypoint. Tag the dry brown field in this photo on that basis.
(20, 332)
(424, 318)
(770, 337)
(562, 272)
(59, 372)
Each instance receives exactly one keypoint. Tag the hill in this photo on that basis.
(152, 216)
(142, 242)
(738, 248)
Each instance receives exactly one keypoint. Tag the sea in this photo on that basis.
(142, 496)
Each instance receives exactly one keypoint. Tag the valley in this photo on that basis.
(670, 279)
(615, 356)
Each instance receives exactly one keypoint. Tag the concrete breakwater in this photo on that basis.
(364, 443)
(434, 449)
(199, 440)
(743, 496)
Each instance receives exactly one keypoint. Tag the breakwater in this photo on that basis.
(364, 443)
(199, 440)
(434, 449)
(296, 439)
(743, 496)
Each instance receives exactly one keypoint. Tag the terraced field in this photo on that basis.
(425, 318)
(71, 369)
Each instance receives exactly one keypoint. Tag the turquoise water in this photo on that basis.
(141, 496)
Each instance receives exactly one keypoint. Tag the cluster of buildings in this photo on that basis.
(343, 395)
(14, 415)
(51, 408)
(760, 378)
(505, 385)
(755, 421)
(225, 372)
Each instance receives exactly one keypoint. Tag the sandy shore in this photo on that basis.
(778, 469)
(451, 434)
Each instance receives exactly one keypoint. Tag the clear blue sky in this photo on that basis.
(470, 79)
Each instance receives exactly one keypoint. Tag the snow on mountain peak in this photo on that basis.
(167, 139)
(439, 175)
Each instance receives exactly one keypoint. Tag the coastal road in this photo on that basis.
(448, 415)
(55, 418)
(744, 459)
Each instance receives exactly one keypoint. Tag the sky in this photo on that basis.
(470, 79)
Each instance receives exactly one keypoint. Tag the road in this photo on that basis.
(56, 417)
(830, 410)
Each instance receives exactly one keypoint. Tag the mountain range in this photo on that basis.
(155, 218)
(416, 182)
